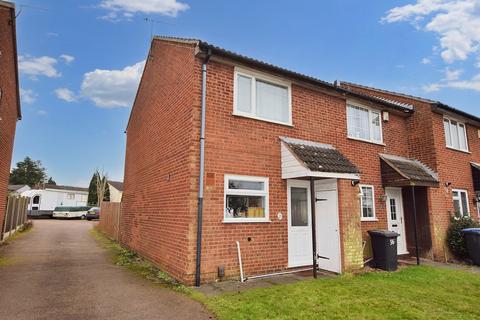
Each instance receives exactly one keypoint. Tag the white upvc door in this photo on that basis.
(299, 223)
(395, 215)
(327, 226)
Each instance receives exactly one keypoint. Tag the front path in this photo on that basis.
(58, 271)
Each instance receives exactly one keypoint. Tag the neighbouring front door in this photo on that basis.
(299, 224)
(327, 226)
(395, 215)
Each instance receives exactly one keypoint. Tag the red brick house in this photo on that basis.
(9, 96)
(222, 148)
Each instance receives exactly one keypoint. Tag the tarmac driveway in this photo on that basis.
(58, 271)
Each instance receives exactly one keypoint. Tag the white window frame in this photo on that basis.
(70, 196)
(370, 112)
(362, 218)
(459, 198)
(243, 192)
(449, 120)
(254, 75)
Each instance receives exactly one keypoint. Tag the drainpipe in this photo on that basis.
(202, 168)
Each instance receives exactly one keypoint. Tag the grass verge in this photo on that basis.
(410, 293)
(24, 230)
(133, 262)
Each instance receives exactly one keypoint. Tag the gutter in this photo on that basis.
(202, 169)
(15, 58)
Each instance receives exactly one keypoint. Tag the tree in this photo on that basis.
(98, 186)
(51, 181)
(29, 172)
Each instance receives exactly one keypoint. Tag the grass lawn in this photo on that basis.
(411, 293)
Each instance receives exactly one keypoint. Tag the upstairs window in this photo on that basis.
(364, 124)
(246, 199)
(455, 134)
(460, 203)
(261, 97)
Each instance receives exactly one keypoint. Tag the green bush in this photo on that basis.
(455, 238)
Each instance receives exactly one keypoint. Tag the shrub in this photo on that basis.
(455, 238)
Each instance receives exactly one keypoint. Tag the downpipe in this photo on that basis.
(202, 170)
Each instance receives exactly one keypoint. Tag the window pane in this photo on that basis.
(464, 203)
(446, 125)
(462, 137)
(367, 202)
(36, 200)
(454, 131)
(299, 207)
(393, 209)
(245, 207)
(244, 94)
(272, 102)
(358, 123)
(456, 206)
(376, 127)
(246, 185)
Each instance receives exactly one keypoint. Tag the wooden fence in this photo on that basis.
(110, 213)
(15, 216)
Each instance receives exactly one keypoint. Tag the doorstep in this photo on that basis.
(217, 288)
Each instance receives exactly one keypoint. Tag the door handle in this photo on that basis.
(394, 225)
(321, 257)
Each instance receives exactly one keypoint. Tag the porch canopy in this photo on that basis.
(403, 172)
(476, 176)
(305, 159)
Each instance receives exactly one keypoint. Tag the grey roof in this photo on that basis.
(436, 105)
(116, 184)
(15, 187)
(66, 188)
(411, 169)
(320, 157)
(283, 71)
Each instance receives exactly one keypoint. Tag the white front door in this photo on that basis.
(396, 221)
(327, 226)
(299, 224)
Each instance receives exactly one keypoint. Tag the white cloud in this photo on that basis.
(470, 84)
(112, 88)
(66, 94)
(431, 87)
(426, 61)
(452, 74)
(67, 58)
(38, 66)
(27, 96)
(42, 112)
(456, 22)
(125, 9)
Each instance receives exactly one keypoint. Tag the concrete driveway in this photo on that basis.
(58, 271)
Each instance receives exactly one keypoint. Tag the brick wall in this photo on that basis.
(427, 144)
(238, 145)
(159, 197)
(8, 102)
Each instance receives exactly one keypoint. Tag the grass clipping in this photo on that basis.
(132, 261)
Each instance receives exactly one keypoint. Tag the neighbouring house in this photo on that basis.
(44, 200)
(17, 189)
(116, 190)
(9, 96)
(223, 149)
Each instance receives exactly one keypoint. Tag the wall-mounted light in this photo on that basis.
(355, 182)
(448, 184)
(385, 116)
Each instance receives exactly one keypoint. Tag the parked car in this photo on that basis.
(93, 213)
(70, 212)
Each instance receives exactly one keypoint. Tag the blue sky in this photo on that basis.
(80, 61)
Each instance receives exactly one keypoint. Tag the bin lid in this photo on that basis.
(383, 233)
(472, 230)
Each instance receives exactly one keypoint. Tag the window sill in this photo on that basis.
(243, 115)
(459, 150)
(368, 141)
(246, 220)
(369, 220)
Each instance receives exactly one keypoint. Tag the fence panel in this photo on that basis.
(15, 215)
(110, 213)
